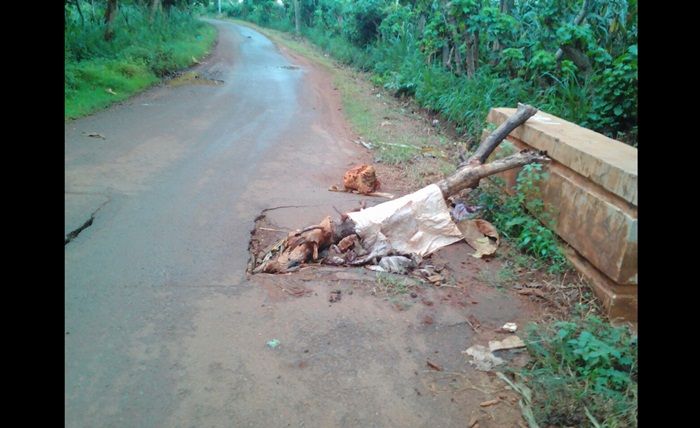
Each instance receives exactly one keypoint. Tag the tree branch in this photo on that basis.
(485, 149)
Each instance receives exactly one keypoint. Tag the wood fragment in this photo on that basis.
(532, 292)
(489, 402)
(272, 230)
(473, 169)
(473, 323)
(470, 175)
(433, 365)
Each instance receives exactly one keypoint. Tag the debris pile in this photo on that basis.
(396, 235)
(393, 237)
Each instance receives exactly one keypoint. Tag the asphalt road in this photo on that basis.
(163, 329)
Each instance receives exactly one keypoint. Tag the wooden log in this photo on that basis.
(469, 176)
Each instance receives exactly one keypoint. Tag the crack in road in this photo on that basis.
(71, 236)
(74, 234)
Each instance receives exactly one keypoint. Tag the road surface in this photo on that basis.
(163, 329)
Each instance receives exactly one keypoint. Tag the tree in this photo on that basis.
(155, 6)
(297, 17)
(110, 13)
(577, 21)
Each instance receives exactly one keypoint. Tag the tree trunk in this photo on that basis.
(80, 12)
(297, 17)
(469, 176)
(452, 26)
(485, 149)
(421, 24)
(578, 57)
(110, 13)
(445, 55)
(472, 42)
(155, 5)
(506, 5)
(577, 21)
(92, 4)
(458, 61)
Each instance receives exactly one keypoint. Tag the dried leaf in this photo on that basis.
(480, 235)
(532, 292)
(473, 322)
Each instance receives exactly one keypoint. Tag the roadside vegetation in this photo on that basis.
(583, 370)
(584, 373)
(111, 54)
(575, 59)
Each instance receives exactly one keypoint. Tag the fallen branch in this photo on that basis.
(421, 217)
(523, 113)
(469, 176)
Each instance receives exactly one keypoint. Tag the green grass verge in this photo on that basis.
(88, 82)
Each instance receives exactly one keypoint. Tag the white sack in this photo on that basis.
(418, 223)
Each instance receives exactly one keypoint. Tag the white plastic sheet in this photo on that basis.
(418, 223)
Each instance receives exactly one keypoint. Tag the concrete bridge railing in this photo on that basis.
(591, 189)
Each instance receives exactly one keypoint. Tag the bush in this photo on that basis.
(515, 219)
(583, 369)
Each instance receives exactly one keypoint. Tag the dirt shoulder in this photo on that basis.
(410, 149)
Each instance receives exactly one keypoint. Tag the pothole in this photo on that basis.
(263, 238)
(274, 249)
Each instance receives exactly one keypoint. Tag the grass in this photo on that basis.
(583, 373)
(394, 155)
(391, 284)
(100, 73)
(500, 279)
